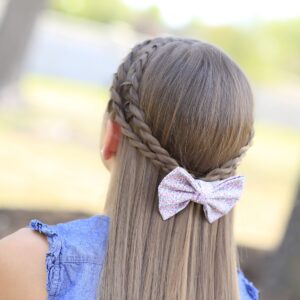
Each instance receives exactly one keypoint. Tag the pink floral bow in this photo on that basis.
(178, 188)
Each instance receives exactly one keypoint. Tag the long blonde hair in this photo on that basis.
(179, 102)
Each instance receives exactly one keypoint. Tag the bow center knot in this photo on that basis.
(203, 190)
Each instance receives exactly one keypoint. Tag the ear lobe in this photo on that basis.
(111, 139)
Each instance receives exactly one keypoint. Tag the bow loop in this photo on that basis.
(178, 188)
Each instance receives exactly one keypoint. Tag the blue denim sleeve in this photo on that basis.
(53, 279)
(247, 289)
(75, 256)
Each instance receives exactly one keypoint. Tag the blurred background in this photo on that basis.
(57, 58)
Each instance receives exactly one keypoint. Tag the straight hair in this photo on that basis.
(179, 102)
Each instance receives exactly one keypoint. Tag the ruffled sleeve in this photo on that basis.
(76, 253)
(52, 256)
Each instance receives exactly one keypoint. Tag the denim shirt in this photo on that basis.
(76, 255)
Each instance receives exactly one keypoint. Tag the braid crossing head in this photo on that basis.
(123, 107)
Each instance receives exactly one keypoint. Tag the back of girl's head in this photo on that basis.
(179, 102)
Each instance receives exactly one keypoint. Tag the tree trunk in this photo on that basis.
(15, 32)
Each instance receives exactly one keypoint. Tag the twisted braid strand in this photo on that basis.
(124, 107)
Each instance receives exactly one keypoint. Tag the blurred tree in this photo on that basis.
(276, 273)
(280, 274)
(3, 4)
(15, 31)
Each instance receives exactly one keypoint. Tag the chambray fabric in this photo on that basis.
(76, 255)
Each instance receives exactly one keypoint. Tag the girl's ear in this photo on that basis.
(111, 139)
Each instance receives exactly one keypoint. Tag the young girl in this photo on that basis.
(178, 122)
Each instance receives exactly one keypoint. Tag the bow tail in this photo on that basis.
(168, 210)
(214, 212)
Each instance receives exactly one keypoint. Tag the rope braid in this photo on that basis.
(123, 107)
(228, 168)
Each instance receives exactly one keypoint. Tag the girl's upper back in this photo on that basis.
(76, 254)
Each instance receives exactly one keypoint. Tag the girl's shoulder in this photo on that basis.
(58, 261)
(22, 260)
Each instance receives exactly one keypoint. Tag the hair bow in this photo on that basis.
(178, 188)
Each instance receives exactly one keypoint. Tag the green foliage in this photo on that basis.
(104, 11)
